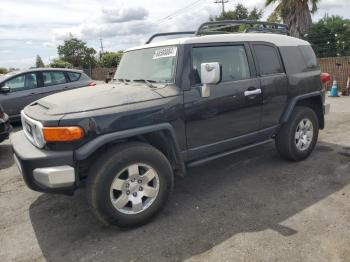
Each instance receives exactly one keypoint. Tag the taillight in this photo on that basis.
(92, 84)
(325, 78)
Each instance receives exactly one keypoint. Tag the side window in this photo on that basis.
(268, 59)
(233, 60)
(73, 76)
(53, 78)
(309, 56)
(22, 82)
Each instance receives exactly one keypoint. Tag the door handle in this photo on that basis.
(32, 94)
(252, 92)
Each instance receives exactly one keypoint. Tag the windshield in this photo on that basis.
(152, 64)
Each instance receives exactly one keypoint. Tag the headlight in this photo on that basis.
(38, 136)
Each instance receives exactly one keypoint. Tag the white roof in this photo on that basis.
(277, 39)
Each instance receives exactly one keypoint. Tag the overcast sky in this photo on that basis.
(31, 27)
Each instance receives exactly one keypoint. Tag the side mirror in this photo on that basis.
(5, 89)
(210, 75)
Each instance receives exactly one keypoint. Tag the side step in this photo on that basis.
(213, 157)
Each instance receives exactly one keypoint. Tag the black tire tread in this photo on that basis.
(117, 155)
(285, 138)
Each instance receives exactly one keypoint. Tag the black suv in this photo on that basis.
(172, 105)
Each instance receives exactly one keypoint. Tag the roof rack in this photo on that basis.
(249, 26)
(170, 33)
(230, 27)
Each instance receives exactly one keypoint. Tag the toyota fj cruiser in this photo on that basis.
(172, 105)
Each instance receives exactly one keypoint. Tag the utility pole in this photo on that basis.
(101, 51)
(222, 2)
(101, 44)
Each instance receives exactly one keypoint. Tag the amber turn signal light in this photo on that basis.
(63, 134)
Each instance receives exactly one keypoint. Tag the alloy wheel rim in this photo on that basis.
(134, 189)
(304, 134)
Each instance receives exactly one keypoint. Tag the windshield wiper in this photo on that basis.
(124, 80)
(148, 82)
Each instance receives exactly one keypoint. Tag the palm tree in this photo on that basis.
(296, 14)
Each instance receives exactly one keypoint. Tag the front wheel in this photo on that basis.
(297, 138)
(129, 184)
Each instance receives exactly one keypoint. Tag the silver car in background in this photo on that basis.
(21, 88)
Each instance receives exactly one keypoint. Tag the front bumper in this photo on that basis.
(43, 170)
(5, 128)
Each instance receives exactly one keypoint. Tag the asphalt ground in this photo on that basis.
(251, 206)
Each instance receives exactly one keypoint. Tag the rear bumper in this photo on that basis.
(42, 170)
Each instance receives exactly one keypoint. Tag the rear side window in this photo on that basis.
(233, 60)
(309, 56)
(268, 60)
(53, 78)
(73, 76)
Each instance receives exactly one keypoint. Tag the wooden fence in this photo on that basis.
(341, 73)
(99, 73)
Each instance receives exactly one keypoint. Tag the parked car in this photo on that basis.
(5, 127)
(21, 88)
(173, 105)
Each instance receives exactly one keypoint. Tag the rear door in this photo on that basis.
(230, 111)
(273, 82)
(23, 89)
(51, 82)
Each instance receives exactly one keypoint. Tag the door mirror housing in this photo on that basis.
(210, 75)
(5, 89)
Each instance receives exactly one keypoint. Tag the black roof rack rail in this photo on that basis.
(260, 27)
(216, 27)
(170, 33)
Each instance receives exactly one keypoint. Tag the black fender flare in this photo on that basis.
(292, 103)
(89, 148)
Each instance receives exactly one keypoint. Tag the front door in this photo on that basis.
(22, 92)
(233, 108)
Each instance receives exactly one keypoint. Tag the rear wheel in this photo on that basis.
(129, 184)
(297, 139)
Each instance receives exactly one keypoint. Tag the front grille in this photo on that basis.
(28, 126)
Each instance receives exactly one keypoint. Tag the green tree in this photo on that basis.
(240, 12)
(330, 36)
(77, 53)
(39, 62)
(274, 17)
(3, 70)
(59, 63)
(110, 59)
(296, 14)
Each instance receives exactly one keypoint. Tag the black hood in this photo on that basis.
(101, 96)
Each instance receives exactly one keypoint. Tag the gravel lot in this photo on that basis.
(252, 206)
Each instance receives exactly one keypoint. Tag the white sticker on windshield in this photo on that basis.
(165, 52)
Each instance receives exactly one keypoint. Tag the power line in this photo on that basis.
(178, 12)
(222, 2)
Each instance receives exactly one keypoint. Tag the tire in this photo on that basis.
(120, 205)
(289, 143)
